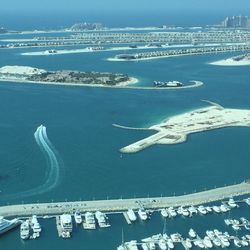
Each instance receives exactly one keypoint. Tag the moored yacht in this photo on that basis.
(89, 221)
(131, 215)
(143, 214)
(102, 219)
(78, 217)
(66, 223)
(6, 225)
(25, 230)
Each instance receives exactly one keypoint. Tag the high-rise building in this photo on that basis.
(236, 22)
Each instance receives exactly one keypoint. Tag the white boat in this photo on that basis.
(132, 245)
(202, 210)
(216, 209)
(210, 234)
(192, 233)
(247, 201)
(185, 212)
(231, 203)
(244, 242)
(162, 244)
(224, 241)
(121, 247)
(78, 217)
(164, 212)
(172, 212)
(236, 227)
(89, 221)
(66, 223)
(175, 237)
(237, 242)
(216, 241)
(6, 225)
(188, 243)
(192, 210)
(131, 215)
(102, 219)
(36, 227)
(143, 214)
(199, 243)
(170, 243)
(151, 245)
(25, 230)
(209, 209)
(207, 242)
(224, 208)
(228, 222)
(144, 246)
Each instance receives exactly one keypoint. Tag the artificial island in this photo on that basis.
(25, 74)
(240, 60)
(176, 129)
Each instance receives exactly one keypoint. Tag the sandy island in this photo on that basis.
(176, 129)
(242, 60)
(25, 74)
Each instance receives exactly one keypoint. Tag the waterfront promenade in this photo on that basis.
(119, 205)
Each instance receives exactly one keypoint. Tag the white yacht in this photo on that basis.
(185, 212)
(202, 210)
(247, 201)
(131, 215)
(188, 243)
(162, 244)
(216, 241)
(66, 223)
(172, 212)
(132, 245)
(207, 242)
(6, 225)
(78, 217)
(25, 230)
(216, 209)
(224, 208)
(164, 212)
(192, 210)
(35, 225)
(143, 214)
(102, 219)
(89, 222)
(231, 203)
(144, 246)
(192, 233)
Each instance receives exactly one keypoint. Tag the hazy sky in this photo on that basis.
(100, 5)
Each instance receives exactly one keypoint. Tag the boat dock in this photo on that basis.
(121, 205)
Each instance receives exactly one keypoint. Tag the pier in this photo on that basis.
(122, 205)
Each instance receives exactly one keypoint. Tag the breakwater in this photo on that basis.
(117, 205)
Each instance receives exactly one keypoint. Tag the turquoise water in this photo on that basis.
(79, 125)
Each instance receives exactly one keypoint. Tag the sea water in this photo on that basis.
(79, 126)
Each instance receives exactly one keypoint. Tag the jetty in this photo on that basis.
(121, 205)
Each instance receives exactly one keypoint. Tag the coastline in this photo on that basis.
(122, 85)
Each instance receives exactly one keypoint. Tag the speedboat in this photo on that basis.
(207, 242)
(6, 225)
(231, 203)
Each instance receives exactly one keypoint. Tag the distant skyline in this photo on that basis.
(109, 5)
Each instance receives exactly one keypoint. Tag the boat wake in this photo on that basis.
(54, 166)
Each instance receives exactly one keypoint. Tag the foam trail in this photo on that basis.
(53, 166)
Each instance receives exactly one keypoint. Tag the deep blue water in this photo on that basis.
(79, 124)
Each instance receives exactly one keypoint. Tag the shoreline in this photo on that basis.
(122, 85)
